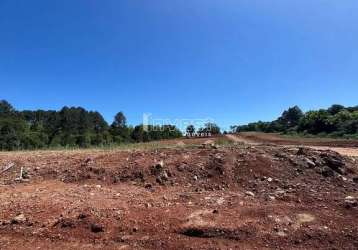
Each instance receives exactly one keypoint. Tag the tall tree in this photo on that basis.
(120, 121)
(291, 117)
(6, 108)
(119, 129)
(190, 130)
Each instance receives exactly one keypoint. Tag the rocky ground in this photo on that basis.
(235, 196)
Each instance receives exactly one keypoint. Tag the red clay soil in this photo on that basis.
(286, 140)
(232, 197)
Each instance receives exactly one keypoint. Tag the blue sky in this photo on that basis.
(234, 61)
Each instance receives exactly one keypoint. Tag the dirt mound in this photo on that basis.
(208, 169)
(202, 197)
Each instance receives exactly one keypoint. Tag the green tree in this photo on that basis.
(120, 121)
(315, 122)
(6, 108)
(335, 108)
(12, 133)
(211, 128)
(119, 129)
(291, 117)
(190, 130)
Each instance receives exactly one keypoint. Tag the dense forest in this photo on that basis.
(71, 127)
(336, 121)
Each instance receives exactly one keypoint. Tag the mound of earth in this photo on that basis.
(216, 197)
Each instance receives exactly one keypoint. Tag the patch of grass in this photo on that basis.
(223, 141)
(146, 146)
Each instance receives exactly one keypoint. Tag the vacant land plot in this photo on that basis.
(345, 147)
(287, 140)
(183, 196)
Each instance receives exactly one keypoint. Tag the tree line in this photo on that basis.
(71, 127)
(336, 121)
(77, 127)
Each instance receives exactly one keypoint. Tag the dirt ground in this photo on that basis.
(345, 147)
(187, 196)
(287, 140)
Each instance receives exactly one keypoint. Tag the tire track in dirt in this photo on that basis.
(239, 139)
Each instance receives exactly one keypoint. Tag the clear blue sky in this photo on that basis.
(233, 60)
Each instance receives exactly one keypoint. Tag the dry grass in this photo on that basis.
(165, 144)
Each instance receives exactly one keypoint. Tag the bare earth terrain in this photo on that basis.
(345, 147)
(181, 195)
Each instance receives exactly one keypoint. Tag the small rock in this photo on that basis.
(249, 193)
(350, 202)
(271, 198)
(19, 219)
(160, 164)
(88, 160)
(310, 163)
(281, 234)
(349, 198)
(280, 192)
(220, 201)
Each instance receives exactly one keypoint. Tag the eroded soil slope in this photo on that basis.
(239, 197)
